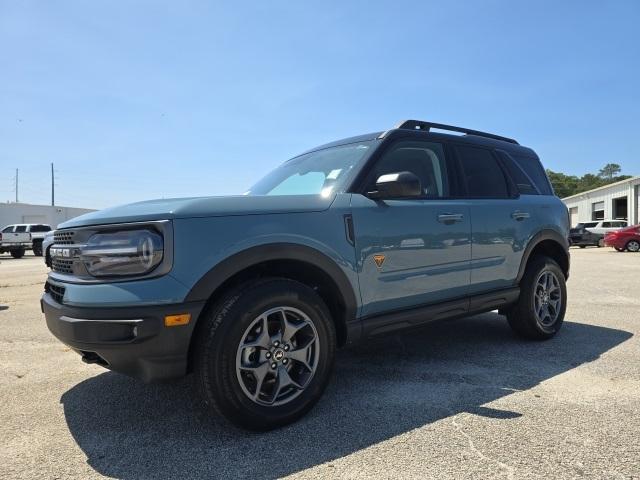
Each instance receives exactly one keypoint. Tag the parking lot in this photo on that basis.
(463, 399)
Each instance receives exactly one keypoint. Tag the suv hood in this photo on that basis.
(166, 209)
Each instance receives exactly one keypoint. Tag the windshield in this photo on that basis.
(322, 172)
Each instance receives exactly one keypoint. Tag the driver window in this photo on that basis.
(425, 160)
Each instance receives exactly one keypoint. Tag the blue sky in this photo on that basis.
(136, 100)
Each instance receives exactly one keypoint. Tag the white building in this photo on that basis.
(11, 213)
(617, 201)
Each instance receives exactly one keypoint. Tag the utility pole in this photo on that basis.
(16, 185)
(53, 197)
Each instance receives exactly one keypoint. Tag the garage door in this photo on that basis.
(34, 219)
(573, 213)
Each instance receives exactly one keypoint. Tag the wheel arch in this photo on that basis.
(550, 243)
(297, 262)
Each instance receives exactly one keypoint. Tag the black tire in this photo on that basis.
(619, 249)
(19, 253)
(37, 249)
(220, 332)
(582, 246)
(633, 246)
(522, 316)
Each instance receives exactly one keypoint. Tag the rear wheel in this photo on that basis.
(19, 253)
(633, 245)
(37, 249)
(264, 353)
(540, 310)
(619, 249)
(582, 246)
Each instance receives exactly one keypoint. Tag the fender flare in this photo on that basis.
(539, 237)
(237, 262)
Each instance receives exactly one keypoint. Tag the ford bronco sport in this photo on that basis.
(353, 239)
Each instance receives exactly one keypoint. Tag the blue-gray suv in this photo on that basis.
(354, 239)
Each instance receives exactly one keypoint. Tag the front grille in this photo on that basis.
(56, 292)
(62, 265)
(63, 238)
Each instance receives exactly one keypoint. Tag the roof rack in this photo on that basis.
(426, 126)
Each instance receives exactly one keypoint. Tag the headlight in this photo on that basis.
(129, 252)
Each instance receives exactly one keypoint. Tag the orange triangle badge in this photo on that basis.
(379, 259)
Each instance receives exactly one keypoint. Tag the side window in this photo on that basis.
(8, 229)
(482, 173)
(607, 225)
(426, 160)
(39, 228)
(21, 228)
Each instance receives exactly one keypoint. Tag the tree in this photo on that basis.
(609, 171)
(567, 185)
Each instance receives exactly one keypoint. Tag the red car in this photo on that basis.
(624, 239)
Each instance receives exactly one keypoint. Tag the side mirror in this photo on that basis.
(396, 185)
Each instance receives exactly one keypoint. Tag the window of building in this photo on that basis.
(597, 211)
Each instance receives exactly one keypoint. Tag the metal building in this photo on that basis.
(11, 213)
(617, 201)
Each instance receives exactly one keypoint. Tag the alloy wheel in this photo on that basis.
(277, 356)
(547, 299)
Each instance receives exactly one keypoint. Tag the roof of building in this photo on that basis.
(604, 187)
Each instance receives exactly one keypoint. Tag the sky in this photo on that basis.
(134, 100)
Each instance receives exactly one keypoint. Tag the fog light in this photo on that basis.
(176, 320)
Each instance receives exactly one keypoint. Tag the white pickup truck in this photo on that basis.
(17, 239)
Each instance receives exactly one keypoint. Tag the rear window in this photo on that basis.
(483, 174)
(533, 168)
(40, 228)
(587, 225)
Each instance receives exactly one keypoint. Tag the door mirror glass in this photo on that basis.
(397, 185)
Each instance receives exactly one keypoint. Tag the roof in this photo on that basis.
(604, 187)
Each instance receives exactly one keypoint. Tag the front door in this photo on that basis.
(417, 251)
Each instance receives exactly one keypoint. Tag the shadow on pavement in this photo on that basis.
(387, 387)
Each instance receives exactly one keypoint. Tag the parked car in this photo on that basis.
(354, 239)
(17, 239)
(592, 233)
(624, 239)
(46, 245)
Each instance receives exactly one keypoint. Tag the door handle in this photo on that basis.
(518, 215)
(450, 217)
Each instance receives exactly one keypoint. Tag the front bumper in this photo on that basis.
(129, 340)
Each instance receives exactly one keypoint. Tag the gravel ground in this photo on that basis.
(463, 399)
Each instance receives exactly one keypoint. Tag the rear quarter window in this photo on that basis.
(533, 168)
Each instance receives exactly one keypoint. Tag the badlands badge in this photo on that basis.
(379, 259)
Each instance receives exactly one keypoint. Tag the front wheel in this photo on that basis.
(540, 310)
(264, 353)
(619, 249)
(37, 249)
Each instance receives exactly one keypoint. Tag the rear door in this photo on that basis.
(413, 251)
(18, 235)
(500, 219)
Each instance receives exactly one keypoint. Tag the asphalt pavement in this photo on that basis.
(460, 399)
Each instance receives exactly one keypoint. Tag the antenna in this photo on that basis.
(16, 185)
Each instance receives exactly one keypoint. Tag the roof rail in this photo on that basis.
(426, 126)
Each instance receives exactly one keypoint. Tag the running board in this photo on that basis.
(418, 316)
